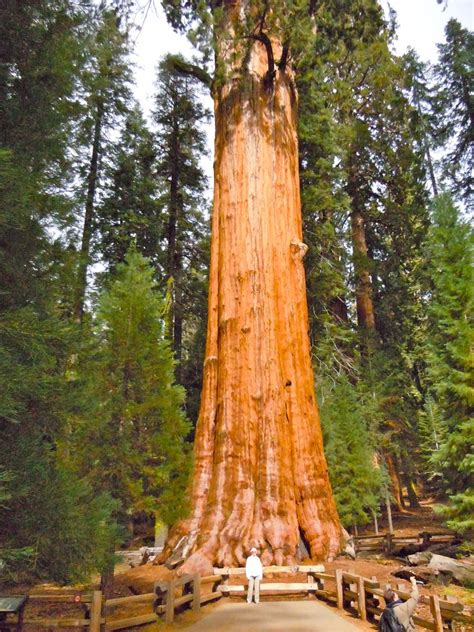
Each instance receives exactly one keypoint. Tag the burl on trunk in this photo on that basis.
(260, 474)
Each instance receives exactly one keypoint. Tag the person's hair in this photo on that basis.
(389, 595)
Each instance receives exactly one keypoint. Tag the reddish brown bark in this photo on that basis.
(365, 306)
(363, 281)
(260, 474)
(392, 468)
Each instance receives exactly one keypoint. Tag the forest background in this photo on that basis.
(104, 215)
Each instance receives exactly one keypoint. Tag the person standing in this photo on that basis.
(254, 573)
(402, 610)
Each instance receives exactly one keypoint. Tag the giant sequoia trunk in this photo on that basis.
(260, 474)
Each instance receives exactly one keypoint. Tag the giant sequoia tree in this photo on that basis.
(260, 473)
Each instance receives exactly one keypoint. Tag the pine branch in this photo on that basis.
(186, 68)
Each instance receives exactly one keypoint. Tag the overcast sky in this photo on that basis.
(421, 26)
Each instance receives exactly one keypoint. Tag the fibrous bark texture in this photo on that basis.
(260, 474)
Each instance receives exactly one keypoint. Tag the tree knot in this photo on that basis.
(298, 249)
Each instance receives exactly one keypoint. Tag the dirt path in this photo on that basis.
(273, 616)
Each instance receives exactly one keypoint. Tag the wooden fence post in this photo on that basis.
(436, 612)
(361, 599)
(169, 613)
(196, 593)
(96, 611)
(339, 589)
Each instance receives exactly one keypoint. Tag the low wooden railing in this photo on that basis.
(387, 542)
(365, 596)
(361, 595)
(310, 586)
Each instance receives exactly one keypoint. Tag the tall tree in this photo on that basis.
(130, 211)
(422, 97)
(455, 108)
(363, 191)
(41, 47)
(181, 143)
(107, 92)
(260, 472)
(133, 445)
(449, 355)
(40, 54)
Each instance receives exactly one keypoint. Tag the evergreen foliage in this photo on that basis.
(454, 107)
(358, 480)
(130, 212)
(179, 116)
(449, 371)
(50, 514)
(132, 445)
(106, 93)
(42, 48)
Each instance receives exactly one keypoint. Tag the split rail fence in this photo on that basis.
(360, 595)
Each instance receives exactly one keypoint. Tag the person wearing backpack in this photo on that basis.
(398, 614)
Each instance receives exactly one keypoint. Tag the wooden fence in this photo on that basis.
(98, 615)
(361, 595)
(388, 542)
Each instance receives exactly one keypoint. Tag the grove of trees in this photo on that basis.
(326, 142)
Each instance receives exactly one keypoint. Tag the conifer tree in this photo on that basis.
(258, 48)
(130, 211)
(422, 97)
(41, 50)
(41, 45)
(455, 108)
(449, 370)
(106, 82)
(361, 160)
(357, 478)
(180, 140)
(133, 443)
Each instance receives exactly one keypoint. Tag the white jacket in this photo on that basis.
(253, 567)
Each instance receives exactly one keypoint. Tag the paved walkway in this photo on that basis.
(273, 616)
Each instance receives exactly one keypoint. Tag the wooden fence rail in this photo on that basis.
(361, 595)
(387, 542)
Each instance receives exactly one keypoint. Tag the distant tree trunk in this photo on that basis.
(407, 479)
(429, 162)
(107, 581)
(365, 306)
(84, 258)
(175, 257)
(376, 522)
(363, 281)
(394, 474)
(389, 513)
(260, 474)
